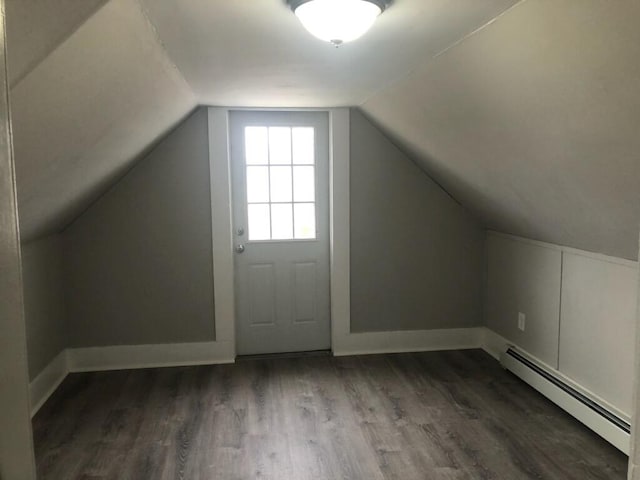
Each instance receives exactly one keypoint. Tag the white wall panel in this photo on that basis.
(597, 326)
(579, 306)
(524, 277)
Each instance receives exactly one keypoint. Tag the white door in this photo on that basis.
(281, 231)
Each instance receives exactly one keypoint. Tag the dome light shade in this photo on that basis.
(337, 21)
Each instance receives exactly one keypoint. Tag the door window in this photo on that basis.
(281, 183)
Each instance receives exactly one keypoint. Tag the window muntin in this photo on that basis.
(280, 177)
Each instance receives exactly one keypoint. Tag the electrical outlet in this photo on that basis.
(521, 321)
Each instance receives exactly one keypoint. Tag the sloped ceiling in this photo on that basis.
(534, 122)
(87, 110)
(37, 27)
(525, 111)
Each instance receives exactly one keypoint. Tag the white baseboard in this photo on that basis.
(494, 344)
(126, 357)
(47, 381)
(408, 341)
(497, 345)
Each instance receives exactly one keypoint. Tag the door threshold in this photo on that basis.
(273, 356)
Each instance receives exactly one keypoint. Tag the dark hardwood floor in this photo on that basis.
(446, 415)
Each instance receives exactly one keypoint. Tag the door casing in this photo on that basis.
(342, 340)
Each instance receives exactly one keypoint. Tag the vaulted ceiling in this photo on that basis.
(534, 122)
(527, 112)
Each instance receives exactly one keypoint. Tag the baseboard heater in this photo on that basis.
(588, 411)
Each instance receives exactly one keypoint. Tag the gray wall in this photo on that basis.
(580, 311)
(46, 318)
(416, 255)
(138, 262)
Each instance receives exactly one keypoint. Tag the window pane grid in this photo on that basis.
(281, 205)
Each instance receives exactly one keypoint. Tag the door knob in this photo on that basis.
(239, 248)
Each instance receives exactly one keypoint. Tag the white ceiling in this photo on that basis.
(256, 53)
(529, 120)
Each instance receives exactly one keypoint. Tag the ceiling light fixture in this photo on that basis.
(338, 21)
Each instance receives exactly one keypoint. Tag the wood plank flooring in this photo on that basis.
(432, 416)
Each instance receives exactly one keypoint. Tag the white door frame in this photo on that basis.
(222, 227)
